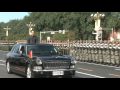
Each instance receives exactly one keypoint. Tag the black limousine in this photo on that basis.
(33, 60)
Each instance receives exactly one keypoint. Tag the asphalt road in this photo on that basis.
(91, 70)
(83, 70)
(3, 72)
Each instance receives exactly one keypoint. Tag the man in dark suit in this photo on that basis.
(32, 39)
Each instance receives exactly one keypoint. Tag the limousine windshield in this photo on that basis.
(42, 50)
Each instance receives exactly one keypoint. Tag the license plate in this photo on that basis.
(58, 73)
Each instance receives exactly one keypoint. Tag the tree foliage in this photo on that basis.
(79, 24)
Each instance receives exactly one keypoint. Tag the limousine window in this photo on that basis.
(12, 50)
(16, 49)
(42, 50)
(22, 49)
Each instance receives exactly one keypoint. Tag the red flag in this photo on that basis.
(30, 54)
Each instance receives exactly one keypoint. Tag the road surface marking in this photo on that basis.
(117, 69)
(90, 74)
(85, 69)
(115, 75)
(2, 64)
(99, 64)
(2, 61)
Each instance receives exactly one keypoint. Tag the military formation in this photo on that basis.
(103, 52)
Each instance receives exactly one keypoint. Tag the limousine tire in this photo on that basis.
(8, 66)
(29, 73)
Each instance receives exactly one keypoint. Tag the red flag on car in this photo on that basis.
(30, 54)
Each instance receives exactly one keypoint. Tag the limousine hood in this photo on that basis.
(54, 58)
(40, 60)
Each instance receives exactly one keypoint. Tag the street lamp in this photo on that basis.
(6, 29)
(97, 17)
(30, 25)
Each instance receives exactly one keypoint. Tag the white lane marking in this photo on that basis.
(115, 75)
(117, 69)
(2, 64)
(99, 64)
(85, 69)
(90, 74)
(2, 61)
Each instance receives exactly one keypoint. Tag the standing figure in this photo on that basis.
(32, 39)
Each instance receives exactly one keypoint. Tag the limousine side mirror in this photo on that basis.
(20, 52)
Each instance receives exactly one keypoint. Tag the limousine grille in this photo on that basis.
(56, 64)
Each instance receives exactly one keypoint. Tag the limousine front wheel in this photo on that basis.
(8, 67)
(29, 73)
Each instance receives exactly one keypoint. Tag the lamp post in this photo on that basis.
(6, 29)
(30, 25)
(97, 17)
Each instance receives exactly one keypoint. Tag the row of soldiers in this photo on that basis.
(96, 52)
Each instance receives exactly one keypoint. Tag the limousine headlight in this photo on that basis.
(38, 61)
(37, 68)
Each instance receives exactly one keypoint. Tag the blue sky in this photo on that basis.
(7, 16)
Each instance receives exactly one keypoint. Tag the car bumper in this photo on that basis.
(65, 72)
